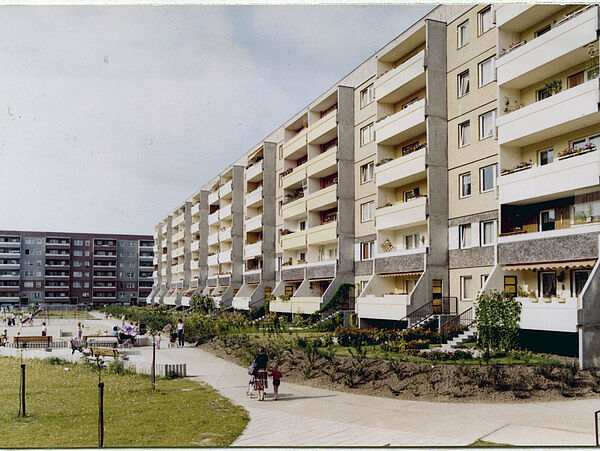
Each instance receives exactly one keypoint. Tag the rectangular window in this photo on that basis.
(77, 274)
(363, 285)
(542, 94)
(510, 284)
(464, 236)
(78, 253)
(463, 33)
(464, 134)
(484, 20)
(280, 207)
(366, 96)
(484, 278)
(280, 180)
(366, 250)
(366, 134)
(575, 79)
(463, 83)
(366, 172)
(411, 194)
(547, 220)
(547, 280)
(87, 243)
(78, 243)
(486, 72)
(302, 225)
(465, 184)
(487, 124)
(466, 288)
(543, 31)
(487, 178)
(546, 156)
(578, 280)
(412, 241)
(76, 284)
(289, 290)
(366, 211)
(28, 284)
(487, 233)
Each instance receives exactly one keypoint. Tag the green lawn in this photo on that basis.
(484, 444)
(62, 409)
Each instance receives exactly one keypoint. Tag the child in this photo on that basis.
(276, 375)
(44, 330)
(250, 391)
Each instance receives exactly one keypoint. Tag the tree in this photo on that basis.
(202, 304)
(497, 317)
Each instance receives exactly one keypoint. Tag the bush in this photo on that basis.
(497, 317)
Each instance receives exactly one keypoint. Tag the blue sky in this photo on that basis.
(114, 115)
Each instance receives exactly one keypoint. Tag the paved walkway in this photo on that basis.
(307, 416)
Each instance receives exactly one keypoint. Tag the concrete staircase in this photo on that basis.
(460, 339)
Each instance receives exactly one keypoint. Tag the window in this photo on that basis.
(575, 79)
(366, 134)
(366, 96)
(280, 151)
(38, 284)
(288, 290)
(411, 194)
(463, 83)
(39, 252)
(484, 20)
(77, 264)
(87, 274)
(77, 274)
(38, 274)
(280, 180)
(76, 284)
(547, 220)
(302, 225)
(487, 124)
(280, 207)
(546, 157)
(411, 241)
(333, 254)
(366, 172)
(363, 285)
(510, 284)
(547, 283)
(26, 251)
(484, 278)
(464, 236)
(487, 178)
(38, 263)
(464, 137)
(130, 285)
(487, 233)
(486, 72)
(542, 31)
(78, 242)
(87, 253)
(366, 250)
(28, 284)
(578, 280)
(86, 284)
(465, 184)
(466, 288)
(463, 33)
(87, 243)
(366, 211)
(39, 241)
(77, 253)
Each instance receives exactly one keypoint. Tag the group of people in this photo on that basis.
(175, 337)
(17, 320)
(259, 374)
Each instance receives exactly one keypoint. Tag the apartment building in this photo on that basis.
(75, 268)
(460, 157)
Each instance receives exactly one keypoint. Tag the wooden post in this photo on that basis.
(153, 366)
(100, 414)
(22, 411)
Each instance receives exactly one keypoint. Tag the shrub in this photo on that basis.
(497, 317)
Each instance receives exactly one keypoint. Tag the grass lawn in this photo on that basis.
(62, 409)
(484, 444)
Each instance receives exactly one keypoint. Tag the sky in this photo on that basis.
(113, 115)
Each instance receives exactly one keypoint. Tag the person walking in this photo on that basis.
(260, 379)
(180, 332)
(276, 375)
(79, 331)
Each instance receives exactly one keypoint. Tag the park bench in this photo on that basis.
(100, 338)
(104, 352)
(32, 339)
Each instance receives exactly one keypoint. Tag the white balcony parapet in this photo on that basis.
(213, 197)
(401, 126)
(294, 209)
(225, 235)
(295, 240)
(226, 189)
(253, 224)
(254, 197)
(293, 145)
(213, 218)
(253, 250)
(556, 314)
(225, 257)
(322, 163)
(254, 172)
(213, 260)
(325, 129)
(517, 17)
(213, 238)
(556, 115)
(401, 81)
(195, 227)
(402, 215)
(323, 234)
(323, 199)
(388, 306)
(225, 212)
(400, 171)
(196, 209)
(296, 177)
(178, 220)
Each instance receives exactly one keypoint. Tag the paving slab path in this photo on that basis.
(308, 416)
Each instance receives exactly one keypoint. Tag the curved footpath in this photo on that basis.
(307, 416)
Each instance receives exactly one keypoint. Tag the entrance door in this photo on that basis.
(436, 296)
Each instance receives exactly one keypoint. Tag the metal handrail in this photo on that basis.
(449, 305)
(465, 319)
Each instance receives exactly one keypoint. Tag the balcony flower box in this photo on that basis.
(510, 48)
(574, 151)
(519, 167)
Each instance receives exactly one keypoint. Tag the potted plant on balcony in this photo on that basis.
(383, 161)
(573, 151)
(518, 167)
(553, 86)
(285, 232)
(388, 204)
(285, 297)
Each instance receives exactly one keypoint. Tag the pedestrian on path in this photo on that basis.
(79, 331)
(44, 330)
(276, 375)
(180, 332)
(260, 379)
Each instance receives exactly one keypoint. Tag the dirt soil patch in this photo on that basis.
(423, 381)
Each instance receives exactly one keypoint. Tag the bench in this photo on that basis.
(104, 352)
(32, 339)
(111, 339)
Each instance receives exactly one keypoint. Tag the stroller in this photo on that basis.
(173, 339)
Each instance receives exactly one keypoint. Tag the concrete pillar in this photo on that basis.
(237, 227)
(269, 212)
(203, 242)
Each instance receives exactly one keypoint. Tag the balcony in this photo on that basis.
(196, 209)
(14, 254)
(253, 250)
(98, 266)
(178, 220)
(10, 244)
(163, 258)
(514, 18)
(195, 227)
(254, 172)
(10, 265)
(561, 113)
(295, 240)
(555, 51)
(295, 178)
(556, 314)
(178, 252)
(323, 199)
(557, 179)
(177, 269)
(225, 235)
(254, 224)
(402, 215)
(304, 305)
(324, 130)
(254, 198)
(53, 255)
(292, 147)
(163, 272)
(401, 81)
(323, 164)
(401, 126)
(225, 212)
(163, 229)
(213, 197)
(178, 236)
(388, 306)
(213, 218)
(225, 257)
(323, 234)
(17, 276)
(9, 298)
(195, 246)
(213, 238)
(225, 190)
(59, 265)
(294, 209)
(401, 171)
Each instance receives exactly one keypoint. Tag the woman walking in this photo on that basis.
(260, 379)
(180, 332)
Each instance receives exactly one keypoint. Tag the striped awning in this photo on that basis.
(551, 265)
(405, 275)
